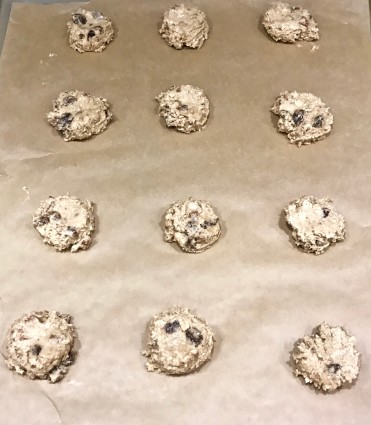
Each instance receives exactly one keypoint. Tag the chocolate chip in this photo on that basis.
(194, 335)
(298, 116)
(171, 327)
(81, 36)
(72, 231)
(91, 34)
(55, 215)
(318, 121)
(77, 18)
(207, 223)
(304, 22)
(65, 119)
(67, 318)
(334, 367)
(36, 349)
(69, 99)
(44, 219)
(97, 15)
(326, 212)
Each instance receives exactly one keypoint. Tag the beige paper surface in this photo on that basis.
(255, 289)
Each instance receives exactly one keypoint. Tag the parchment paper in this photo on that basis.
(258, 292)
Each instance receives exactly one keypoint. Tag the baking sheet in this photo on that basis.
(255, 289)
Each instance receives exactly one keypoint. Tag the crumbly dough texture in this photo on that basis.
(290, 24)
(178, 342)
(40, 345)
(186, 108)
(65, 222)
(89, 31)
(303, 116)
(192, 224)
(78, 115)
(184, 27)
(315, 223)
(328, 358)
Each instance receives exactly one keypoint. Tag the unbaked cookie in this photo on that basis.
(65, 222)
(178, 342)
(78, 115)
(192, 224)
(315, 223)
(40, 345)
(186, 108)
(290, 24)
(184, 27)
(328, 358)
(89, 31)
(303, 116)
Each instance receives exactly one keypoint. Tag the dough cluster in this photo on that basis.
(184, 27)
(315, 224)
(178, 342)
(40, 345)
(303, 116)
(89, 31)
(290, 24)
(186, 108)
(328, 358)
(192, 224)
(78, 115)
(65, 222)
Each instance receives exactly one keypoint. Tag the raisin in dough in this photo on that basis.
(192, 224)
(65, 222)
(78, 115)
(40, 345)
(303, 116)
(89, 31)
(184, 27)
(328, 358)
(290, 24)
(186, 108)
(178, 342)
(315, 224)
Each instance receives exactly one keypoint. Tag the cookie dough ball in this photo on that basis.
(78, 115)
(303, 116)
(328, 358)
(184, 27)
(315, 224)
(186, 108)
(178, 342)
(89, 31)
(65, 222)
(290, 24)
(40, 345)
(192, 224)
